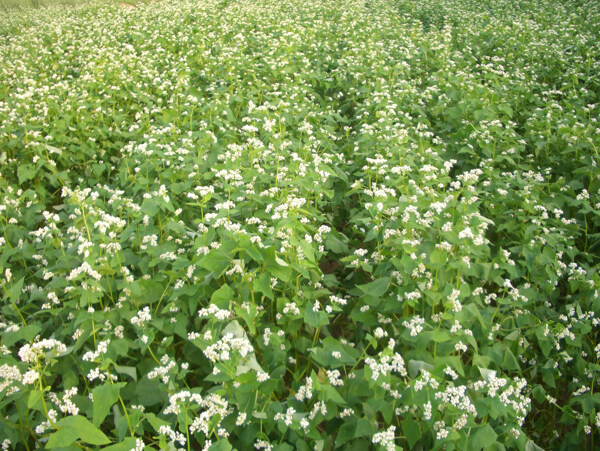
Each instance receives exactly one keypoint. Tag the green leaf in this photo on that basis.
(415, 367)
(513, 336)
(104, 396)
(52, 149)
(127, 370)
(315, 319)
(248, 317)
(253, 252)
(479, 115)
(259, 415)
(15, 290)
(412, 431)
(506, 109)
(249, 364)
(156, 422)
(222, 297)
(148, 392)
(510, 362)
(25, 172)
(481, 361)
(62, 437)
(222, 445)
(545, 342)
(587, 403)
(531, 446)
(486, 374)
(456, 363)
(324, 357)
(352, 430)
(24, 333)
(262, 284)
(280, 262)
(122, 425)
(308, 250)
(334, 244)
(376, 288)
(331, 394)
(234, 328)
(215, 261)
(35, 397)
(126, 445)
(484, 437)
(278, 267)
(73, 428)
(439, 336)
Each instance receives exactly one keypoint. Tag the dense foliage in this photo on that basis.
(276, 224)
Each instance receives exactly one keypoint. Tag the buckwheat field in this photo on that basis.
(297, 225)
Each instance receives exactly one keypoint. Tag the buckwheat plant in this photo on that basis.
(279, 225)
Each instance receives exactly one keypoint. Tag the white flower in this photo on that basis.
(29, 353)
(386, 438)
(241, 419)
(450, 372)
(263, 444)
(460, 346)
(415, 325)
(427, 411)
(286, 417)
(142, 317)
(337, 300)
(466, 233)
(380, 333)
(30, 377)
(346, 412)
(139, 445)
(305, 391)
(442, 434)
(334, 377)
(262, 377)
